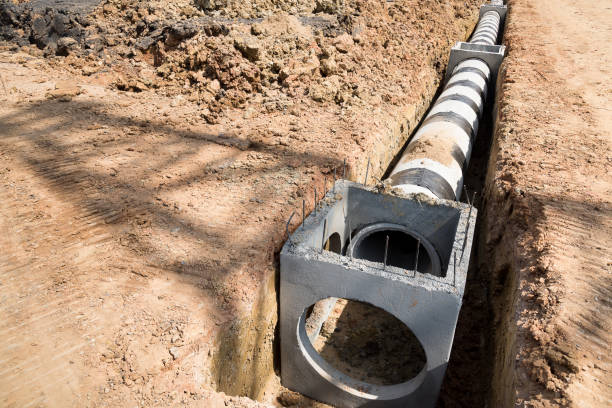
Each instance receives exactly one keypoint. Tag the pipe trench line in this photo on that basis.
(452, 123)
(400, 244)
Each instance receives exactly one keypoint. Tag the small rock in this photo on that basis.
(61, 23)
(64, 91)
(66, 45)
(179, 32)
(357, 33)
(325, 91)
(296, 68)
(214, 86)
(249, 47)
(40, 31)
(174, 352)
(257, 29)
(145, 43)
(327, 6)
(343, 42)
(94, 43)
(289, 398)
(328, 66)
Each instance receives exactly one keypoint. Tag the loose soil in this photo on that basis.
(152, 152)
(369, 344)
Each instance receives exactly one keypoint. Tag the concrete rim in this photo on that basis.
(363, 233)
(348, 384)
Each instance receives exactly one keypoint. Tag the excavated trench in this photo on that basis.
(371, 345)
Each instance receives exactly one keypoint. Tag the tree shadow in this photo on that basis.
(151, 183)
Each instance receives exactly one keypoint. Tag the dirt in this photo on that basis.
(369, 344)
(152, 153)
(547, 221)
(202, 53)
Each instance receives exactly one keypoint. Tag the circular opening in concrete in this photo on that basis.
(364, 342)
(405, 249)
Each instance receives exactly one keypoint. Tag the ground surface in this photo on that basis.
(549, 207)
(151, 155)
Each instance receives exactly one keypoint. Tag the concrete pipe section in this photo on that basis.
(436, 157)
(406, 256)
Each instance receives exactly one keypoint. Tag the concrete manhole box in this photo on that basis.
(426, 298)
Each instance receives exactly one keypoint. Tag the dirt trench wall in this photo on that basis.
(244, 360)
(545, 227)
(499, 257)
(505, 249)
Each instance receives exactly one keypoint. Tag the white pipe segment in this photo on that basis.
(455, 132)
(487, 29)
(439, 152)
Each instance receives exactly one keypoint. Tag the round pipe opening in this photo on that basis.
(367, 343)
(405, 249)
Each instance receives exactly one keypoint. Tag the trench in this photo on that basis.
(467, 381)
(373, 346)
(370, 345)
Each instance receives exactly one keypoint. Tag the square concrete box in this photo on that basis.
(492, 55)
(421, 287)
(500, 8)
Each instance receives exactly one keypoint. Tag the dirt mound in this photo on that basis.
(57, 31)
(263, 8)
(220, 61)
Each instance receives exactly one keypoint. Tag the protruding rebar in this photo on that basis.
(324, 186)
(334, 185)
(315, 200)
(416, 259)
(303, 213)
(287, 225)
(344, 169)
(324, 232)
(386, 252)
(470, 212)
(467, 224)
(365, 181)
(455, 269)
(350, 234)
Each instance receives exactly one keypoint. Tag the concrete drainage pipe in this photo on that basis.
(434, 160)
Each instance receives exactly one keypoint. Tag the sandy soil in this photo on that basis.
(549, 212)
(152, 152)
(148, 172)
